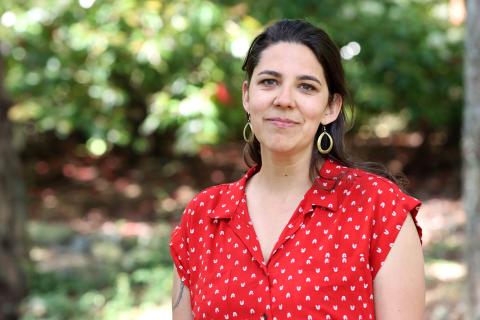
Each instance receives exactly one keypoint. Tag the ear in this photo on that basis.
(245, 98)
(333, 109)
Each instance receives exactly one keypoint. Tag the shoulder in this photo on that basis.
(207, 199)
(361, 183)
(197, 210)
(380, 197)
(368, 192)
(347, 177)
(209, 196)
(371, 184)
(217, 201)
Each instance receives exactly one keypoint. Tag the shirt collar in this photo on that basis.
(323, 192)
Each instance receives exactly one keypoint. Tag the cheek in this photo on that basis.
(313, 118)
(256, 116)
(315, 111)
(259, 103)
(311, 129)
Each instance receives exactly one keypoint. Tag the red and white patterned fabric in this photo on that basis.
(322, 266)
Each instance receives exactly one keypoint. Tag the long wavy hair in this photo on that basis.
(328, 55)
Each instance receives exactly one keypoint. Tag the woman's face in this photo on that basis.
(287, 98)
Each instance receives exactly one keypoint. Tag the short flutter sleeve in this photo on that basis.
(179, 244)
(392, 207)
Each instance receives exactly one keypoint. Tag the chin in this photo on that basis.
(279, 147)
(286, 144)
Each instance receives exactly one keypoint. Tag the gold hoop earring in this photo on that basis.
(319, 142)
(248, 125)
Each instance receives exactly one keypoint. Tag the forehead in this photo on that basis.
(289, 58)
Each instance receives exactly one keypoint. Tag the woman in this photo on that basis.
(305, 234)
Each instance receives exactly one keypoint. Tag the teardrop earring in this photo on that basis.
(319, 142)
(245, 129)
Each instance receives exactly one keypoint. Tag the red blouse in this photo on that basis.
(322, 266)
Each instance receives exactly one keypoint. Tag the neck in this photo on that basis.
(285, 173)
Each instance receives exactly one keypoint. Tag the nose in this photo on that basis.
(284, 98)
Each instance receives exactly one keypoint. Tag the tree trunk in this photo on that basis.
(12, 216)
(471, 157)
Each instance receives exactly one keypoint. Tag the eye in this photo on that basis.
(268, 82)
(307, 87)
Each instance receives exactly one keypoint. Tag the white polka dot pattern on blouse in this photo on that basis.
(322, 266)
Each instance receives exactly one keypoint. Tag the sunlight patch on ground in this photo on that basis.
(444, 270)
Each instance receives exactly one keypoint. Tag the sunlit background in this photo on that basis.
(123, 110)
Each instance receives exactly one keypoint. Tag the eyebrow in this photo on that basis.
(278, 75)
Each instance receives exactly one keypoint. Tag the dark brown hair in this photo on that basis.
(328, 55)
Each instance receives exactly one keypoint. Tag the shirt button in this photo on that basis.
(264, 317)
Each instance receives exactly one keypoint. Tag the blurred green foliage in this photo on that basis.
(135, 73)
(91, 281)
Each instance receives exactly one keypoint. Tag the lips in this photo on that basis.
(282, 122)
